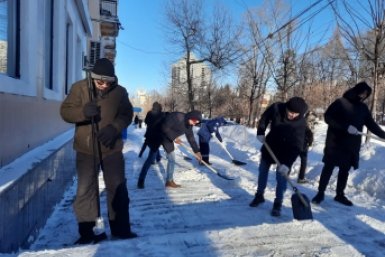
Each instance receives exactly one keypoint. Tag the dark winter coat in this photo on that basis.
(176, 124)
(209, 127)
(153, 133)
(115, 108)
(342, 148)
(153, 115)
(286, 137)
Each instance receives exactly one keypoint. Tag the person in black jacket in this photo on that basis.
(154, 119)
(345, 117)
(174, 125)
(286, 139)
(309, 138)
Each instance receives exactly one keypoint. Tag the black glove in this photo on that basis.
(108, 136)
(91, 109)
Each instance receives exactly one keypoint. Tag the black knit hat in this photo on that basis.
(297, 104)
(194, 115)
(103, 70)
(156, 107)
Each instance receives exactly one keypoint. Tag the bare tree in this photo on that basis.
(227, 103)
(214, 42)
(252, 85)
(362, 24)
(206, 98)
(287, 42)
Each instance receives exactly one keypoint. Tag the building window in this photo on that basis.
(10, 37)
(49, 15)
(94, 52)
(67, 61)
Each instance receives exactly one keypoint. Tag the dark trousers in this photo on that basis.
(302, 169)
(144, 146)
(86, 204)
(152, 155)
(343, 174)
(204, 148)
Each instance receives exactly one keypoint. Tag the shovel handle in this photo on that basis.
(371, 136)
(191, 152)
(295, 189)
(224, 148)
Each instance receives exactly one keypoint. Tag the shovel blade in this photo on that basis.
(225, 176)
(239, 163)
(300, 211)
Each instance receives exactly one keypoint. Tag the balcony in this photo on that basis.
(109, 42)
(109, 22)
(109, 54)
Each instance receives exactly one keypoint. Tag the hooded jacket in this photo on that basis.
(153, 117)
(209, 127)
(115, 109)
(153, 120)
(286, 137)
(176, 124)
(342, 148)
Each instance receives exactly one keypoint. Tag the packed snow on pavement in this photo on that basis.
(210, 216)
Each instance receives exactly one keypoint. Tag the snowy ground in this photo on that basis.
(210, 216)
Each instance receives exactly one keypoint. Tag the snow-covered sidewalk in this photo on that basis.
(210, 216)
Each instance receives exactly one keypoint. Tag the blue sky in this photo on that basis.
(144, 56)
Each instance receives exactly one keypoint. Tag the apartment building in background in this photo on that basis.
(200, 74)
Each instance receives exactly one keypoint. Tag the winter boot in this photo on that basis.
(121, 230)
(140, 183)
(318, 198)
(100, 237)
(341, 198)
(172, 184)
(302, 181)
(206, 160)
(87, 235)
(128, 235)
(276, 211)
(258, 199)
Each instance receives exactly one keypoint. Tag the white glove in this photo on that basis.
(352, 130)
(213, 134)
(283, 169)
(261, 138)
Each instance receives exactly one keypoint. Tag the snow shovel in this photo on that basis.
(98, 229)
(220, 174)
(371, 136)
(300, 202)
(236, 162)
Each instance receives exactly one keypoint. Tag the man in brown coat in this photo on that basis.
(101, 101)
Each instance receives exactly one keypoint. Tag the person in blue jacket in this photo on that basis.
(209, 129)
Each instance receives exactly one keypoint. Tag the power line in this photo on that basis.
(270, 35)
(142, 50)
